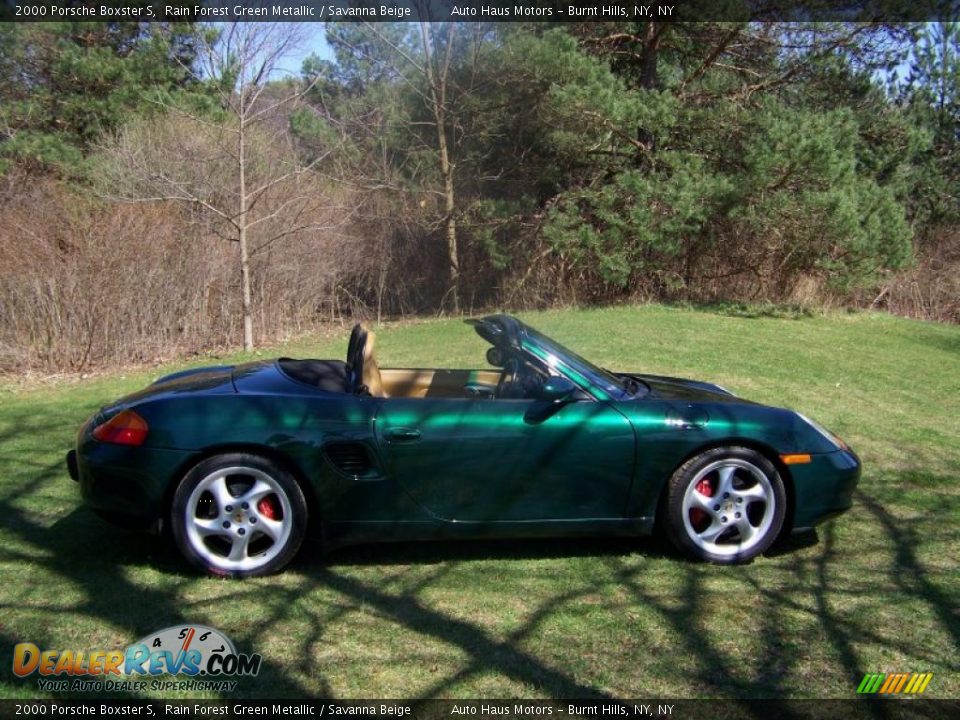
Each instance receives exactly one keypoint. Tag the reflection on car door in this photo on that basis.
(490, 460)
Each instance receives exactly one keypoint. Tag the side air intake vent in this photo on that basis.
(350, 458)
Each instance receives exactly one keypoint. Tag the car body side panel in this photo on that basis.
(482, 461)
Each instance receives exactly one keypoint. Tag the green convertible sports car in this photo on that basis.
(238, 460)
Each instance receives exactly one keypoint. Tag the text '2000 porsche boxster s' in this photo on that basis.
(238, 460)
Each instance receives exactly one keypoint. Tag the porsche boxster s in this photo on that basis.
(237, 461)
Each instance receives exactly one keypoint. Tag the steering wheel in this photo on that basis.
(509, 376)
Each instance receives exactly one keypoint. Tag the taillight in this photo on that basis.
(126, 428)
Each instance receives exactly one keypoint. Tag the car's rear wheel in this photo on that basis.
(725, 505)
(238, 515)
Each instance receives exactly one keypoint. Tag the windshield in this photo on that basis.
(580, 370)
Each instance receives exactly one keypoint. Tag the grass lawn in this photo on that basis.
(879, 591)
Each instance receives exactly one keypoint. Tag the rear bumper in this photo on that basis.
(126, 485)
(824, 487)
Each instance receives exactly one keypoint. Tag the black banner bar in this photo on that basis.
(481, 10)
(854, 709)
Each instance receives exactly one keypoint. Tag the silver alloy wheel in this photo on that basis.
(222, 535)
(737, 520)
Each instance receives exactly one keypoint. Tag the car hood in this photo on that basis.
(672, 388)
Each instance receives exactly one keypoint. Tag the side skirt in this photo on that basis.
(341, 534)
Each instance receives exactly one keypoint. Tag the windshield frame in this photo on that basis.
(514, 337)
(599, 383)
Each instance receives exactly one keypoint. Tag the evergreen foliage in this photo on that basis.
(64, 85)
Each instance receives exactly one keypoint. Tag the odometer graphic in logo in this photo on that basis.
(188, 650)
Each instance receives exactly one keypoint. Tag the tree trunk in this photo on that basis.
(242, 239)
(437, 82)
(651, 52)
(245, 289)
(451, 224)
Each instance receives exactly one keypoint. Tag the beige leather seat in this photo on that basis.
(371, 371)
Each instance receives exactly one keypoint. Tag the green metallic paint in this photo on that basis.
(510, 460)
(454, 466)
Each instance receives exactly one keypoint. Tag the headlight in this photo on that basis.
(833, 439)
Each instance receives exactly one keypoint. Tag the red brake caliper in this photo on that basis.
(697, 516)
(267, 508)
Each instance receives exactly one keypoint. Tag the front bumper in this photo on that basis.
(823, 488)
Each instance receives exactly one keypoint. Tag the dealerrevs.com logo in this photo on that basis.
(203, 655)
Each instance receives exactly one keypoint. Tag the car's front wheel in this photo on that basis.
(238, 515)
(725, 505)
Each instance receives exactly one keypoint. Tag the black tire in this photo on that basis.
(725, 521)
(254, 529)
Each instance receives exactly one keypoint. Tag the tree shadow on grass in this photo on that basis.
(65, 550)
(908, 572)
(98, 559)
(790, 543)
(81, 552)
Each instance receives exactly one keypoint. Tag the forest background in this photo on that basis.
(168, 189)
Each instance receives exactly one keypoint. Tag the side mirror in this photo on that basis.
(495, 357)
(557, 388)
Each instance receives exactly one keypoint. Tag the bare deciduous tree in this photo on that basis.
(241, 173)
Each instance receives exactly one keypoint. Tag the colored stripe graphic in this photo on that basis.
(894, 683)
(890, 683)
(871, 682)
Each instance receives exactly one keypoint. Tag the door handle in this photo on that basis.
(402, 434)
